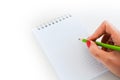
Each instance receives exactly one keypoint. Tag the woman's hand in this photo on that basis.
(110, 58)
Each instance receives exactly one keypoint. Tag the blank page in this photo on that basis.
(68, 55)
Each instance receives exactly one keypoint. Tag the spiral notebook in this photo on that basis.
(68, 56)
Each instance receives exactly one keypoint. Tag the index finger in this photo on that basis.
(104, 28)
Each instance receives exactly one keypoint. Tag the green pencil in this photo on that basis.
(113, 47)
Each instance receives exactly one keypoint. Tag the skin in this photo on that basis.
(110, 58)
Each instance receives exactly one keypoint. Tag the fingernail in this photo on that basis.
(88, 43)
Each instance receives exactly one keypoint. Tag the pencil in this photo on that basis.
(112, 47)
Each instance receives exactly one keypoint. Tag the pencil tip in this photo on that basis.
(79, 39)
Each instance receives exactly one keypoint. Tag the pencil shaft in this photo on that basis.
(116, 48)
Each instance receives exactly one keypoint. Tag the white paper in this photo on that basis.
(68, 55)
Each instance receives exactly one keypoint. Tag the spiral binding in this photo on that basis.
(57, 20)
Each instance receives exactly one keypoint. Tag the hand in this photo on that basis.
(110, 58)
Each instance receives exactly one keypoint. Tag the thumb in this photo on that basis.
(96, 51)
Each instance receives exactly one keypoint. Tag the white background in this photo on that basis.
(20, 56)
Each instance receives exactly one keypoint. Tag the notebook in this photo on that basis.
(68, 56)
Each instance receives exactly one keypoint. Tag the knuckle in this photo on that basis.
(105, 22)
(108, 60)
(116, 62)
(95, 53)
